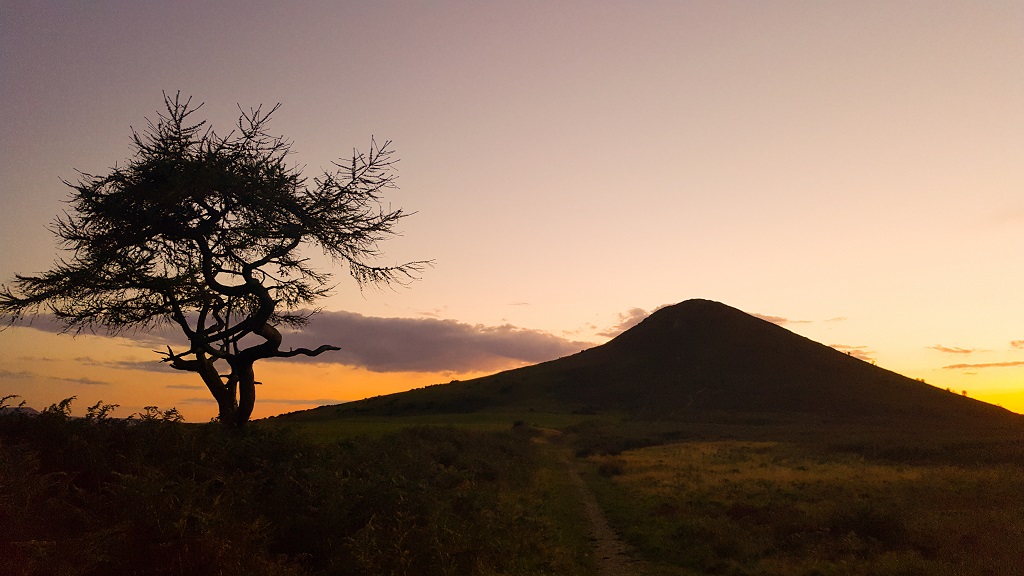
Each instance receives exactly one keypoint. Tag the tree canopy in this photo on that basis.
(207, 232)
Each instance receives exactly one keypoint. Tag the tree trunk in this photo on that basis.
(246, 392)
(224, 394)
(227, 412)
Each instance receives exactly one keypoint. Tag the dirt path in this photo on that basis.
(613, 556)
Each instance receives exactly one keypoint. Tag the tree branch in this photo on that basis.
(306, 351)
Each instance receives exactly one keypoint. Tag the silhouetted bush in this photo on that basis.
(149, 495)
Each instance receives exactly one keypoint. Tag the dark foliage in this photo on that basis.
(149, 495)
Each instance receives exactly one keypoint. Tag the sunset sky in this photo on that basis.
(853, 171)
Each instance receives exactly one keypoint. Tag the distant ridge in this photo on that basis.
(699, 357)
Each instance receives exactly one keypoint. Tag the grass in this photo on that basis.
(331, 430)
(780, 494)
(771, 508)
(487, 493)
(96, 496)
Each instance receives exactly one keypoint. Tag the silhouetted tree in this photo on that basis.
(204, 232)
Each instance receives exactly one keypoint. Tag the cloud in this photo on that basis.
(435, 313)
(779, 320)
(37, 358)
(1018, 344)
(773, 319)
(390, 344)
(42, 321)
(425, 344)
(82, 380)
(198, 400)
(159, 335)
(303, 401)
(185, 387)
(588, 328)
(859, 352)
(5, 374)
(985, 365)
(627, 320)
(952, 350)
(154, 365)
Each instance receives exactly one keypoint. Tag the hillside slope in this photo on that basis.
(695, 357)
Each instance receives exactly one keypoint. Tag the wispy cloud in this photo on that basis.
(435, 313)
(21, 374)
(304, 401)
(82, 380)
(860, 352)
(984, 365)
(1017, 344)
(148, 365)
(779, 319)
(197, 400)
(588, 328)
(37, 358)
(952, 349)
(627, 320)
(185, 387)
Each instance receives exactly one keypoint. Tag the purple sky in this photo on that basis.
(574, 165)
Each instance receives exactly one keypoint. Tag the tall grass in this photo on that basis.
(150, 495)
(766, 508)
(346, 426)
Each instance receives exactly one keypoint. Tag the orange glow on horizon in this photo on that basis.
(88, 367)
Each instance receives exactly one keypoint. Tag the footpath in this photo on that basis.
(613, 556)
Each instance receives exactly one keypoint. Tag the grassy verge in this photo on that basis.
(768, 508)
(556, 499)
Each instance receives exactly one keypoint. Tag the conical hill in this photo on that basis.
(696, 357)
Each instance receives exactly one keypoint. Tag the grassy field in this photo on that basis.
(331, 430)
(770, 508)
(782, 495)
(489, 493)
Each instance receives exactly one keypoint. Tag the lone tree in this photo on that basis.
(205, 231)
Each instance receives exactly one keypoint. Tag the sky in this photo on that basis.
(853, 171)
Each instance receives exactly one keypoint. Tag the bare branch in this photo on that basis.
(306, 352)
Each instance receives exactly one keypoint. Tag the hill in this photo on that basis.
(696, 358)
